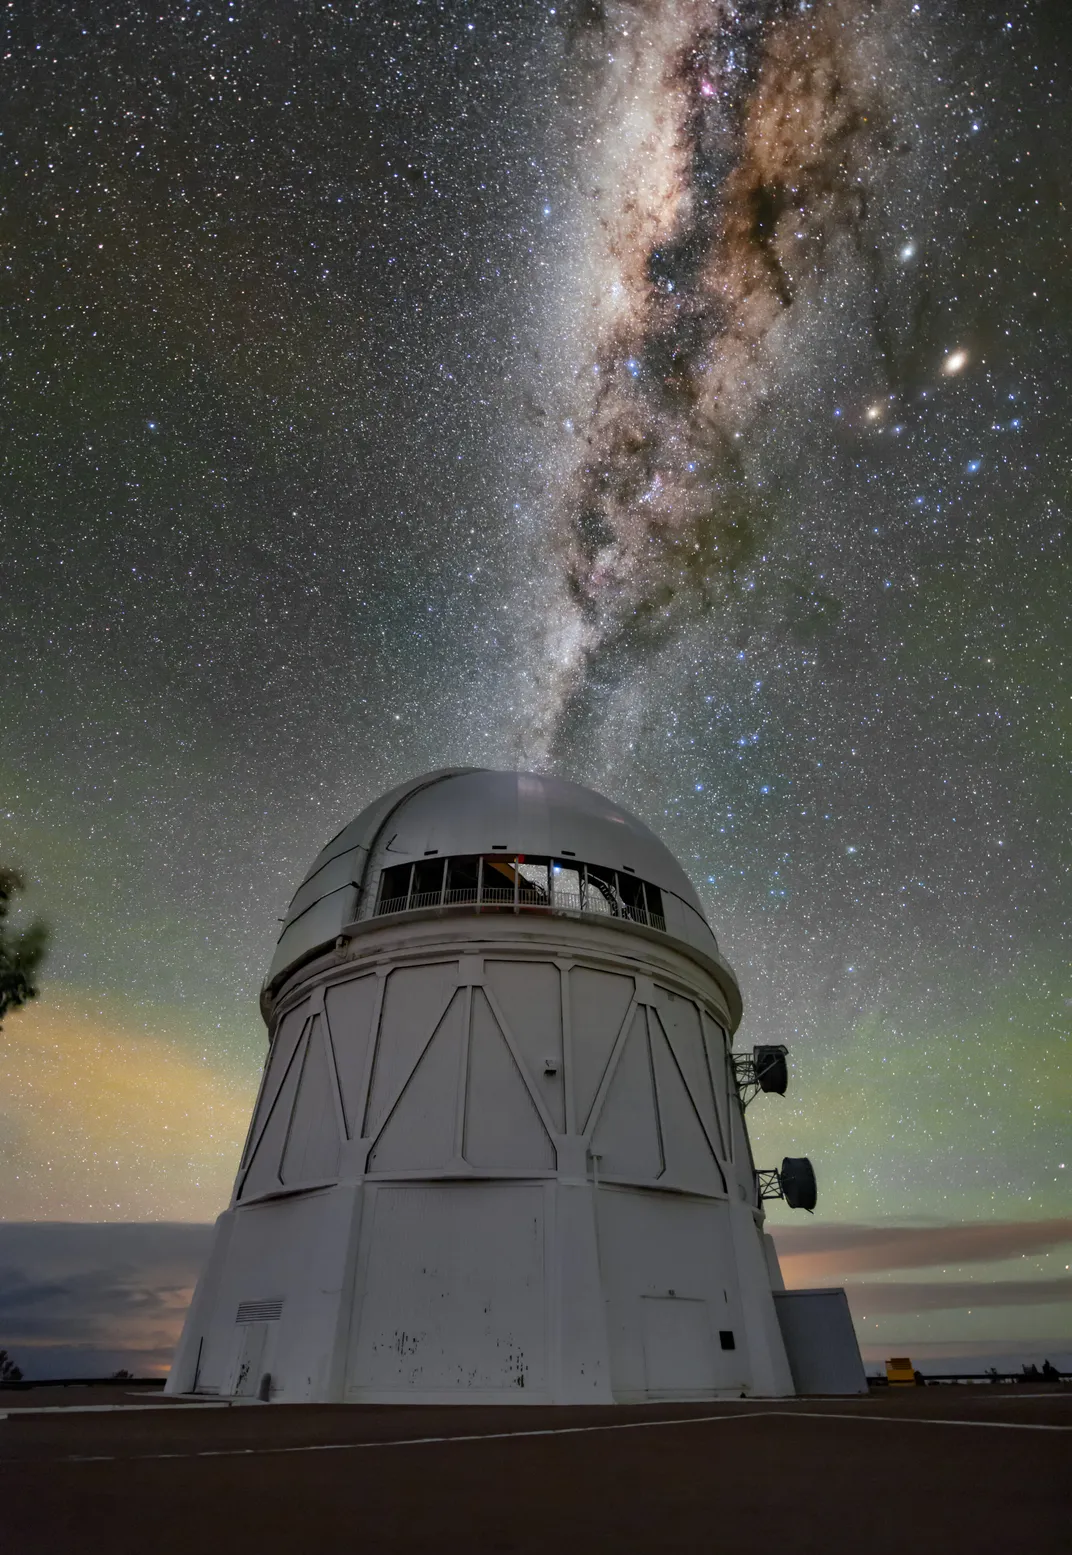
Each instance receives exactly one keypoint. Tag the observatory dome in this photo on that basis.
(499, 1151)
(466, 838)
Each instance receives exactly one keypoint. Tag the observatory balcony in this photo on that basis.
(519, 884)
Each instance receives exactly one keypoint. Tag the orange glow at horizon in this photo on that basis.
(106, 1113)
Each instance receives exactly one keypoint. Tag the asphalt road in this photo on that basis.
(924, 1470)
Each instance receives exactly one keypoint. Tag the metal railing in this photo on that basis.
(526, 898)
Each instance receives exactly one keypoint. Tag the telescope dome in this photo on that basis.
(475, 839)
(499, 1151)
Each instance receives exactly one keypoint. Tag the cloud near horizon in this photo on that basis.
(83, 1299)
(814, 1252)
(938, 1296)
(86, 1299)
(998, 1292)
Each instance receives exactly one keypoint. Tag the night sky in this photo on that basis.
(672, 395)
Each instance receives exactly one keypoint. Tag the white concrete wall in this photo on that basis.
(820, 1341)
(494, 1158)
(288, 1250)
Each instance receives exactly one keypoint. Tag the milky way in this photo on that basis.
(730, 156)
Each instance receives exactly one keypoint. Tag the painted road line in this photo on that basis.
(399, 1441)
(567, 1430)
(975, 1425)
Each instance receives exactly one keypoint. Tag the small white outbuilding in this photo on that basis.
(499, 1152)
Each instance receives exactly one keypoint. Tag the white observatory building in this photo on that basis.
(499, 1151)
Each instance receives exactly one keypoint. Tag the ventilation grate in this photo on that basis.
(260, 1311)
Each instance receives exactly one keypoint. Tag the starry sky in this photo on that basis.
(666, 393)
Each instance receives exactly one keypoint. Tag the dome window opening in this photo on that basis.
(409, 887)
(653, 906)
(499, 887)
(632, 894)
(395, 886)
(566, 886)
(641, 903)
(533, 883)
(463, 881)
(429, 881)
(601, 891)
(520, 883)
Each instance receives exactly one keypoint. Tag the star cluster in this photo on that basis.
(669, 395)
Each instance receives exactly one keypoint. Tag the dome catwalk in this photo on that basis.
(499, 1151)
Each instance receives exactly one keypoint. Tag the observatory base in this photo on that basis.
(494, 1159)
(484, 1292)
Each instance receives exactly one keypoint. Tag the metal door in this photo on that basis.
(678, 1354)
(248, 1364)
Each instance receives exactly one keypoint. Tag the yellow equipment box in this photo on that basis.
(900, 1373)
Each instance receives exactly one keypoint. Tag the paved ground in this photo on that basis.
(977, 1470)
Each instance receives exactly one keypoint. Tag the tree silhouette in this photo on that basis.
(9, 1372)
(20, 954)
